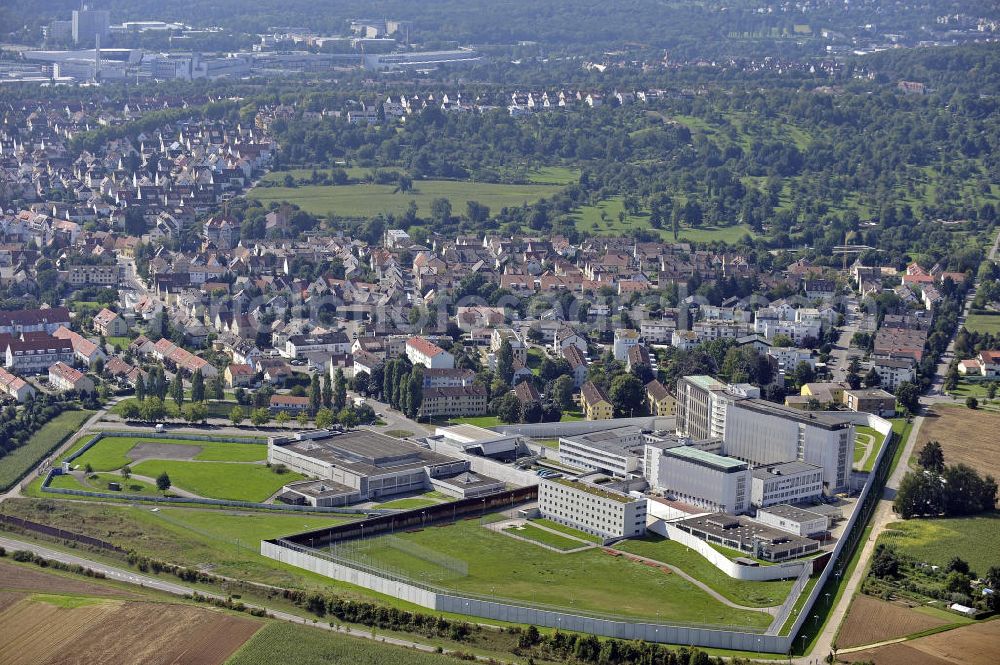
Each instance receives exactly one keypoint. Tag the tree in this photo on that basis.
(315, 395)
(885, 562)
(324, 418)
(562, 392)
(282, 418)
(918, 494)
(992, 582)
(972, 402)
(216, 389)
(931, 457)
(872, 379)
(177, 390)
(361, 383)
(414, 392)
(197, 386)
(908, 395)
(129, 410)
(441, 210)
(327, 392)
(152, 409)
(505, 361)
(302, 419)
(627, 395)
(804, 373)
(745, 365)
(163, 482)
(339, 390)
(958, 565)
(236, 415)
(140, 388)
(508, 408)
(260, 416)
(196, 412)
(126, 472)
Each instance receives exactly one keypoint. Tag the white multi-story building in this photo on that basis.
(657, 331)
(790, 482)
(789, 357)
(333, 343)
(616, 451)
(625, 339)
(428, 354)
(894, 371)
(794, 520)
(795, 330)
(700, 478)
(592, 509)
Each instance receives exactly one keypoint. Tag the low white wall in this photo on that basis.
(571, 428)
(778, 571)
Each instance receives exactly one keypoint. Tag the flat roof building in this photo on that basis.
(789, 482)
(798, 521)
(756, 539)
(615, 451)
(602, 512)
(700, 478)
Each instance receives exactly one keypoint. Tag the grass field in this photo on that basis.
(49, 436)
(101, 482)
(232, 481)
(860, 448)
(568, 530)
(544, 537)
(975, 539)
(368, 200)
(111, 453)
(289, 643)
(983, 323)
(590, 580)
(754, 594)
(588, 220)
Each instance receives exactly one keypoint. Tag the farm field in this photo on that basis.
(302, 645)
(368, 200)
(754, 594)
(111, 453)
(41, 443)
(966, 436)
(975, 644)
(983, 323)
(56, 619)
(227, 540)
(590, 580)
(871, 620)
(976, 539)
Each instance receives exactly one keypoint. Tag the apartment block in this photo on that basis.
(592, 509)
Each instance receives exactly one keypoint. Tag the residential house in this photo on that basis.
(453, 401)
(110, 324)
(239, 375)
(63, 377)
(289, 404)
(14, 386)
(595, 402)
(660, 402)
(423, 352)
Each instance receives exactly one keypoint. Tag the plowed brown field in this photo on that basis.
(117, 631)
(966, 436)
(871, 620)
(18, 578)
(975, 644)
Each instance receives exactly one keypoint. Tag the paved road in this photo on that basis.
(839, 355)
(131, 577)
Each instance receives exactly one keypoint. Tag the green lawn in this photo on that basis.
(553, 175)
(281, 642)
(562, 528)
(754, 594)
(970, 389)
(544, 537)
(227, 540)
(17, 463)
(219, 480)
(408, 504)
(111, 453)
(975, 539)
(859, 448)
(479, 421)
(367, 200)
(121, 342)
(590, 580)
(100, 484)
(548, 443)
(983, 323)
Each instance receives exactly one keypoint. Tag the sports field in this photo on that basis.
(369, 200)
(210, 469)
(492, 564)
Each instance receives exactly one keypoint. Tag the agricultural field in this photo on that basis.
(975, 644)
(55, 619)
(871, 620)
(966, 436)
(302, 645)
(753, 594)
(490, 563)
(369, 200)
(226, 540)
(976, 539)
(41, 443)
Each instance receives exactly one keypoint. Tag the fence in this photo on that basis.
(575, 427)
(56, 532)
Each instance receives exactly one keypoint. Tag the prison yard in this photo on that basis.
(531, 569)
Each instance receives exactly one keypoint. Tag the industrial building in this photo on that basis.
(363, 466)
(596, 510)
(758, 540)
